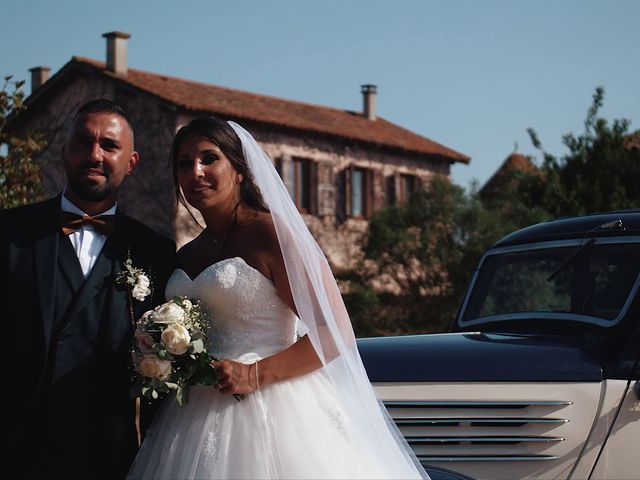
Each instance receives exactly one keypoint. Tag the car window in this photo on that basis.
(593, 282)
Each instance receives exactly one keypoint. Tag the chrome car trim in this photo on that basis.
(483, 458)
(493, 439)
(559, 244)
(455, 421)
(472, 403)
(561, 315)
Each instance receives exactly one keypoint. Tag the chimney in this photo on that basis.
(117, 52)
(39, 75)
(369, 101)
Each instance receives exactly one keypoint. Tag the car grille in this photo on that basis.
(458, 431)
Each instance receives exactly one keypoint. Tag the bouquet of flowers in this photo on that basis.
(169, 352)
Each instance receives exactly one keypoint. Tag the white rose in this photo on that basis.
(176, 338)
(152, 367)
(140, 293)
(141, 288)
(186, 304)
(143, 280)
(169, 313)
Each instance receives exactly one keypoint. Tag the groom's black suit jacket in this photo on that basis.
(67, 343)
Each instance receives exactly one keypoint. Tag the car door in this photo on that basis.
(620, 457)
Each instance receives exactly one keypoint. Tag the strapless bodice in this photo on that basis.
(247, 319)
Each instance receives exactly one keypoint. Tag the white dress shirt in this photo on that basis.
(86, 241)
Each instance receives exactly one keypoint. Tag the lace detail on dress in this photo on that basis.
(338, 421)
(247, 318)
(228, 275)
(266, 424)
(211, 443)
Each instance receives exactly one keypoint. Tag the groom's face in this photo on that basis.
(98, 155)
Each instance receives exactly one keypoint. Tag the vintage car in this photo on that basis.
(539, 377)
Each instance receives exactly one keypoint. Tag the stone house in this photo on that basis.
(339, 165)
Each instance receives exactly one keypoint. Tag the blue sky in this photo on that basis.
(473, 75)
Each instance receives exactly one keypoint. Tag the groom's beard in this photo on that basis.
(91, 190)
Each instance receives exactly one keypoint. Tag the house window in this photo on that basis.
(390, 190)
(300, 185)
(408, 185)
(357, 193)
(361, 192)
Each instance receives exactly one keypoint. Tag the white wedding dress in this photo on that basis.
(292, 429)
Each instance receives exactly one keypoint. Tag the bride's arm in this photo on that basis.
(299, 359)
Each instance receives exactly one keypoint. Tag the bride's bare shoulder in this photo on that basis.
(260, 241)
(267, 254)
(262, 226)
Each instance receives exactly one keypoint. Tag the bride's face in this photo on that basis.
(206, 175)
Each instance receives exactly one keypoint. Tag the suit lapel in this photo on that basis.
(99, 276)
(126, 244)
(117, 249)
(46, 253)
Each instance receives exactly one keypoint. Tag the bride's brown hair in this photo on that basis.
(219, 132)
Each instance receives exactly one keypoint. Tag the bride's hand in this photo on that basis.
(234, 377)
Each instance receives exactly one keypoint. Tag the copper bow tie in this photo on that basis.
(71, 222)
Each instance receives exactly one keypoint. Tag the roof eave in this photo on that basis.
(431, 156)
(88, 67)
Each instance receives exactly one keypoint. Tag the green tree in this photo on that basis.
(599, 173)
(20, 182)
(427, 250)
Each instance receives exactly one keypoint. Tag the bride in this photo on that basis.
(281, 329)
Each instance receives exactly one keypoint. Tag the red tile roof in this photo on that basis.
(515, 162)
(203, 97)
(632, 140)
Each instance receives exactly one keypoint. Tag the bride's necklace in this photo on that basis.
(218, 240)
(221, 240)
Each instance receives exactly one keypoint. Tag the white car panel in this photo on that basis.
(496, 431)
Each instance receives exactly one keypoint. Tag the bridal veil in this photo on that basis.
(326, 321)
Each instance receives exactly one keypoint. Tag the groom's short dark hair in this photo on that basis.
(103, 105)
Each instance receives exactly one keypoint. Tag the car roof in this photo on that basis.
(595, 225)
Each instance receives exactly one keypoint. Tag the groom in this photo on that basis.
(67, 322)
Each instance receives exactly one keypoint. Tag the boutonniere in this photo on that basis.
(135, 279)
